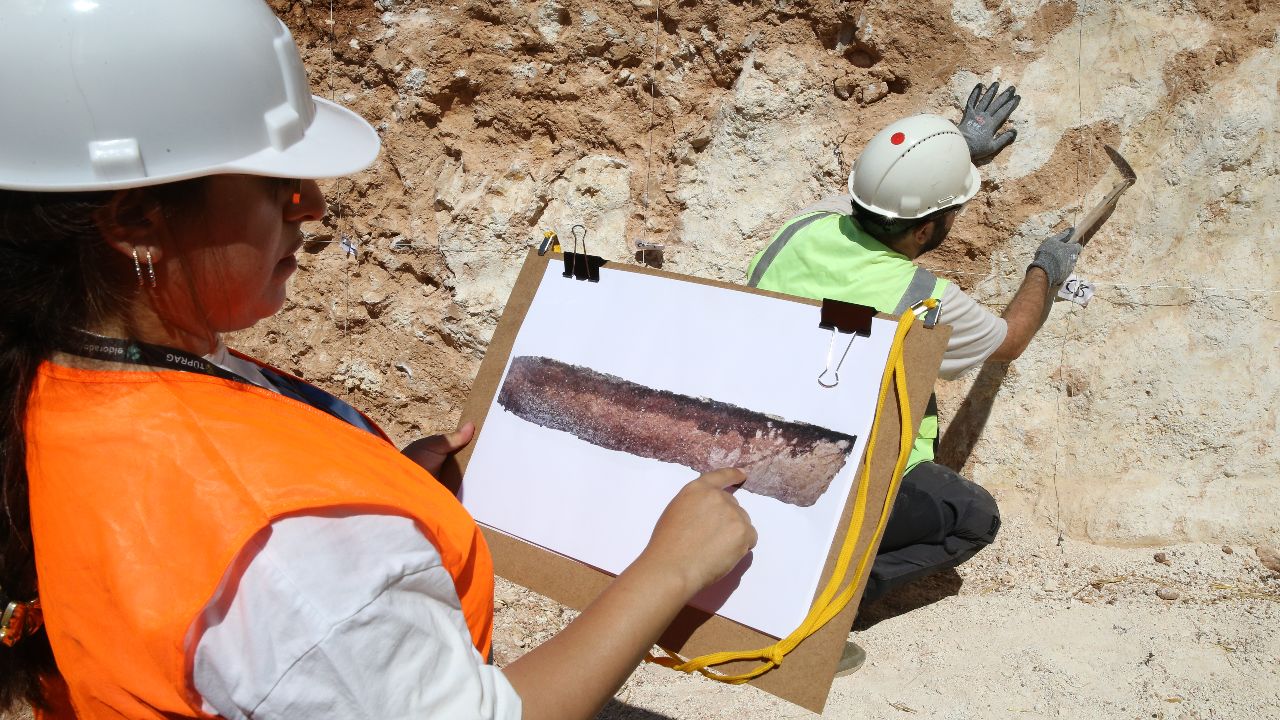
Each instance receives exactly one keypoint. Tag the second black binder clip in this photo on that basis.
(581, 265)
(842, 317)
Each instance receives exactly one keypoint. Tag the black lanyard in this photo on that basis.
(136, 352)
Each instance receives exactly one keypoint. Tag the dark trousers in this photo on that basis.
(938, 521)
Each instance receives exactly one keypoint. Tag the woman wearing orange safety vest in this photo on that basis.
(191, 532)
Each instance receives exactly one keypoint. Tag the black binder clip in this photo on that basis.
(844, 317)
(581, 265)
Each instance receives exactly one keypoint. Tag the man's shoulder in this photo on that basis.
(828, 218)
(841, 204)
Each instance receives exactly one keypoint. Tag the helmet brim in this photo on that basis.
(973, 185)
(338, 142)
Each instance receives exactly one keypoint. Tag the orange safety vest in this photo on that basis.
(146, 485)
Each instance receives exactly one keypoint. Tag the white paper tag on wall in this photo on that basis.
(1077, 291)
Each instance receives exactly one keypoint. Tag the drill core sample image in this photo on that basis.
(789, 461)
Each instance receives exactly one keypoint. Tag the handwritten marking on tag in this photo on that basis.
(348, 246)
(1077, 291)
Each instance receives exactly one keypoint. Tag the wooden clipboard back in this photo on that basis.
(806, 675)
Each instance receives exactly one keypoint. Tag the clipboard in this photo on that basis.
(806, 675)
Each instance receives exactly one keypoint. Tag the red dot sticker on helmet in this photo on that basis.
(898, 138)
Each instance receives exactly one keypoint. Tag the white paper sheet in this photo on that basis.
(599, 506)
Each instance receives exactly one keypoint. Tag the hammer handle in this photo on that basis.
(1090, 223)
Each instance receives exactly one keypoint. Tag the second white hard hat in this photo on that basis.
(110, 94)
(916, 166)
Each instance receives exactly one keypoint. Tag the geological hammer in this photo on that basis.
(1091, 222)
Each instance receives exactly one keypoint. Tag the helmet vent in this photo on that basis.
(926, 138)
(913, 167)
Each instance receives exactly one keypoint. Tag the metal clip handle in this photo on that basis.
(550, 241)
(835, 372)
(930, 309)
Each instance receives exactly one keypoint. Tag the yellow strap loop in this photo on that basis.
(833, 598)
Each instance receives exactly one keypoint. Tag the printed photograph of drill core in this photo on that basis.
(616, 395)
(791, 462)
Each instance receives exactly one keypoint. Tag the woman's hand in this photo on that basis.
(703, 533)
(430, 452)
(699, 538)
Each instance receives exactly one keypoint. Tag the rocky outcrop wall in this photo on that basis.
(1150, 416)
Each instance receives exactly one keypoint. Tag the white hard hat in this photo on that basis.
(110, 94)
(916, 166)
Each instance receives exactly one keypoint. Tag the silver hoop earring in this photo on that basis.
(151, 270)
(137, 267)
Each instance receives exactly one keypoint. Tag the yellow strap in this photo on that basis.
(833, 598)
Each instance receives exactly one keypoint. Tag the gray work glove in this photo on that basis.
(983, 116)
(1057, 257)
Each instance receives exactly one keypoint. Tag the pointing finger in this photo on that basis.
(725, 478)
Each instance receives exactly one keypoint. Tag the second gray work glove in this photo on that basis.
(1057, 257)
(983, 115)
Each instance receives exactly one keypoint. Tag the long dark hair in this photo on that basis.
(56, 274)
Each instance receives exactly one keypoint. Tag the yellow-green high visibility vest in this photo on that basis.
(828, 255)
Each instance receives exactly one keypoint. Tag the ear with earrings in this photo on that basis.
(151, 269)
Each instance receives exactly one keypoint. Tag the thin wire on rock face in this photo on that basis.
(653, 94)
(341, 194)
(1080, 9)
(1062, 350)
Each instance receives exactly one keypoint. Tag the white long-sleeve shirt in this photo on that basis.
(341, 615)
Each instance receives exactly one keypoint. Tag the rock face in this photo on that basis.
(1150, 417)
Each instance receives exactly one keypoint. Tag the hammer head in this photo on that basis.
(1126, 170)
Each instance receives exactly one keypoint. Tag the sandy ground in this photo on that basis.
(1028, 629)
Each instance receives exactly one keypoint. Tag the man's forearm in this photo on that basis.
(1024, 315)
